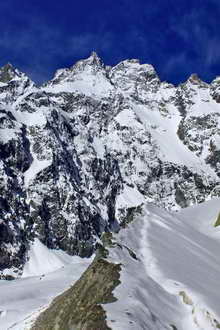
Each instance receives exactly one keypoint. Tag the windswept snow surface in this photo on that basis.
(174, 283)
(46, 274)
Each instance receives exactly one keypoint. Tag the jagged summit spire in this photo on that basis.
(93, 64)
(94, 59)
(94, 55)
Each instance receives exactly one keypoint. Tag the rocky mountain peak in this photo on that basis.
(133, 66)
(94, 59)
(93, 63)
(195, 80)
(13, 83)
(8, 72)
(135, 78)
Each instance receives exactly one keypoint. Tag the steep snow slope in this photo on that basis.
(46, 274)
(173, 282)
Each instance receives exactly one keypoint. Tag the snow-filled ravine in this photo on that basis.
(46, 274)
(174, 282)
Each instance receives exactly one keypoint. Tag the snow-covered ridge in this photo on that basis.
(172, 283)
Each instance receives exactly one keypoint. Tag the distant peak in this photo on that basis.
(195, 80)
(135, 68)
(94, 55)
(194, 77)
(7, 73)
(136, 63)
(8, 66)
(94, 59)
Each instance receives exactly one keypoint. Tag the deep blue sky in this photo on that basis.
(178, 37)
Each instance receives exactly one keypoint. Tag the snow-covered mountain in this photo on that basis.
(81, 153)
(160, 272)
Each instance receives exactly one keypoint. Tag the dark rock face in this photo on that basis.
(78, 152)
